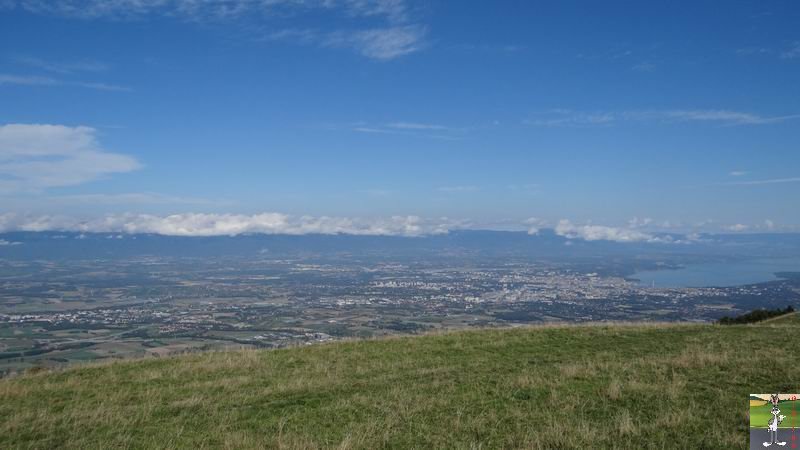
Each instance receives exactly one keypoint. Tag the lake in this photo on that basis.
(719, 274)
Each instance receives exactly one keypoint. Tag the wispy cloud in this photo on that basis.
(644, 67)
(637, 222)
(508, 49)
(737, 228)
(384, 43)
(27, 80)
(378, 29)
(458, 189)
(62, 67)
(302, 36)
(35, 80)
(761, 182)
(571, 118)
(415, 126)
(412, 129)
(607, 54)
(209, 10)
(380, 43)
(721, 116)
(98, 86)
(754, 50)
(35, 157)
(792, 52)
(737, 173)
(374, 130)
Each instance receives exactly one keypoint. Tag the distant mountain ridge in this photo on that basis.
(546, 243)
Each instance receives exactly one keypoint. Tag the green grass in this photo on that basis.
(625, 386)
(786, 319)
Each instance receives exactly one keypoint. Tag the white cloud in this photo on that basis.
(737, 228)
(393, 36)
(373, 130)
(644, 67)
(302, 36)
(790, 52)
(416, 126)
(456, 189)
(714, 115)
(27, 80)
(5, 243)
(410, 129)
(761, 182)
(35, 157)
(754, 50)
(737, 173)
(62, 67)
(535, 224)
(97, 86)
(793, 52)
(604, 233)
(570, 118)
(507, 49)
(639, 223)
(35, 80)
(769, 225)
(192, 224)
(380, 43)
(668, 224)
(209, 10)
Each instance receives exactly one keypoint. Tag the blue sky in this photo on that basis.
(341, 115)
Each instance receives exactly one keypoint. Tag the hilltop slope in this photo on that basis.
(635, 386)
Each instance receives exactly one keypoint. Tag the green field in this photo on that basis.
(624, 386)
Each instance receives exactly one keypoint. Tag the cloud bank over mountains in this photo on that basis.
(591, 232)
(193, 224)
(200, 224)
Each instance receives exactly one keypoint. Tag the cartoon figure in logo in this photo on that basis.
(774, 422)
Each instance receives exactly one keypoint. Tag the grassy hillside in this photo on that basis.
(665, 386)
(786, 319)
